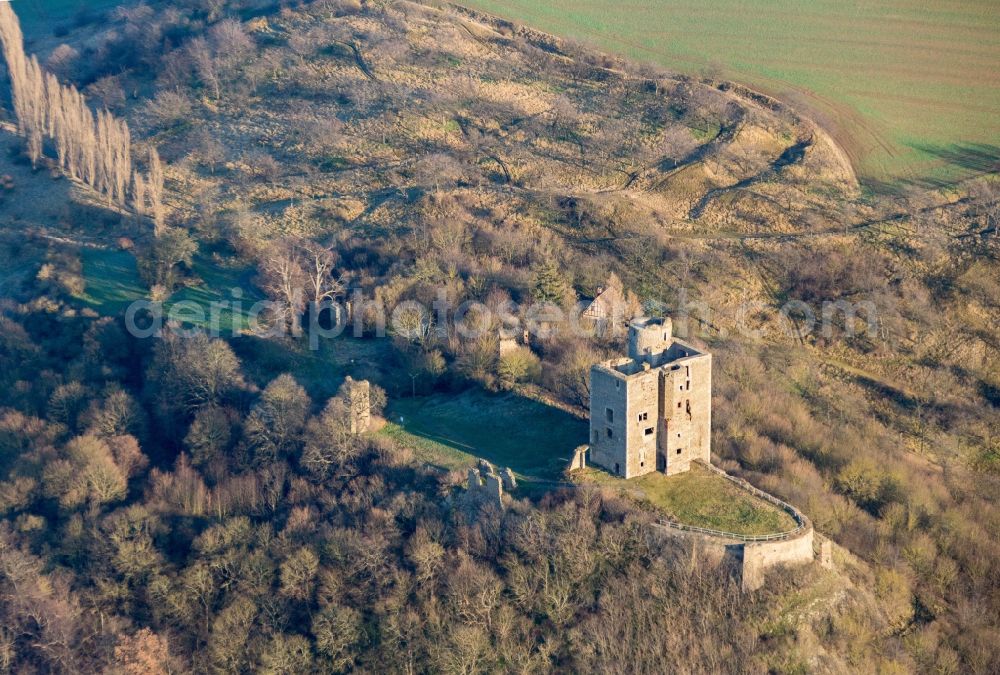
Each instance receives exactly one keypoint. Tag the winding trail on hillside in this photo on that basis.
(792, 155)
(849, 157)
(838, 231)
(726, 134)
(359, 59)
(852, 228)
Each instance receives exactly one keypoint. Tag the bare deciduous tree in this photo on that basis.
(96, 152)
(230, 42)
(139, 193)
(283, 278)
(35, 110)
(204, 65)
(318, 263)
(13, 48)
(154, 188)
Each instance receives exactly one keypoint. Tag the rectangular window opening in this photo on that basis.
(649, 431)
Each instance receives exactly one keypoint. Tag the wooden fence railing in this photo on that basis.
(801, 522)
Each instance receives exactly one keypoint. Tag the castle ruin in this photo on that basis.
(651, 411)
(487, 484)
(359, 404)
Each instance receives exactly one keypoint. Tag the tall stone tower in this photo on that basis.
(359, 403)
(651, 411)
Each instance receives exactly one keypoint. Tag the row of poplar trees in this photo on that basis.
(95, 150)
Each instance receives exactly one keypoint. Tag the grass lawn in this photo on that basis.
(112, 280)
(533, 439)
(113, 283)
(910, 89)
(320, 371)
(218, 285)
(701, 498)
(429, 451)
(40, 18)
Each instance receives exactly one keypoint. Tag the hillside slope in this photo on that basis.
(431, 150)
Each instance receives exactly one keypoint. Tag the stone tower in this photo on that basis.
(359, 404)
(651, 411)
(649, 338)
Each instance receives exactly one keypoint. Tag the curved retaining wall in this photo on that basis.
(753, 554)
(759, 556)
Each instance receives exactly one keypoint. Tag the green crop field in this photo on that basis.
(910, 89)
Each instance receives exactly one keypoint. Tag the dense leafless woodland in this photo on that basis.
(199, 505)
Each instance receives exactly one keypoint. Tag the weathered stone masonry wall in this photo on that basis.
(758, 557)
(750, 559)
(608, 390)
(753, 556)
(651, 411)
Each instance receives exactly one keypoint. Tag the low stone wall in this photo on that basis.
(758, 557)
(752, 554)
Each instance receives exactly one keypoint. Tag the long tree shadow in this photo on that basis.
(534, 439)
(958, 162)
(975, 157)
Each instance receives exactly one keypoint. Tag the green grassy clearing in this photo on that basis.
(536, 442)
(218, 285)
(39, 18)
(113, 283)
(533, 439)
(701, 498)
(910, 89)
(112, 280)
(429, 451)
(320, 371)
